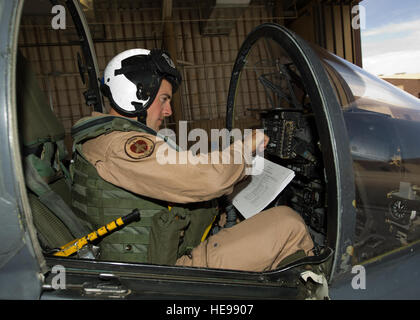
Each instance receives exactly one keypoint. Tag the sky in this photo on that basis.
(391, 36)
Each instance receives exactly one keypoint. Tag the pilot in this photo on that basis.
(116, 168)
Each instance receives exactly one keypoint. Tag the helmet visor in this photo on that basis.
(166, 67)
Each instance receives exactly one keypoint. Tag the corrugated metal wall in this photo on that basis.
(53, 58)
(208, 64)
(205, 61)
(204, 54)
(328, 23)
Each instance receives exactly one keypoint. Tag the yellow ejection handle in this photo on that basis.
(77, 244)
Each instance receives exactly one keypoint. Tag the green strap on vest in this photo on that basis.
(161, 236)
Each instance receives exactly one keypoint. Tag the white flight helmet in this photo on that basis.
(133, 77)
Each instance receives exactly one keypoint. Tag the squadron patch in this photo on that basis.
(139, 147)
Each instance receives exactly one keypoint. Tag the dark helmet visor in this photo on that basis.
(166, 67)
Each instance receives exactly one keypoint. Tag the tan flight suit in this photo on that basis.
(256, 244)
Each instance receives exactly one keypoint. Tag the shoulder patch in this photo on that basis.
(139, 147)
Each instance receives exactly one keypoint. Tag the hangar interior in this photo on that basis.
(203, 38)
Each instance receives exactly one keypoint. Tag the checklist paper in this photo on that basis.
(267, 180)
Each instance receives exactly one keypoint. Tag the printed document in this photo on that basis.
(260, 188)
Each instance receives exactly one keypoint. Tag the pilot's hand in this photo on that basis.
(256, 141)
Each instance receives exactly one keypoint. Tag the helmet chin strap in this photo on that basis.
(141, 116)
(140, 112)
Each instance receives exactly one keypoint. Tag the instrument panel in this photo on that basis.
(295, 145)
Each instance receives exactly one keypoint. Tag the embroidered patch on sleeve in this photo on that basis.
(139, 147)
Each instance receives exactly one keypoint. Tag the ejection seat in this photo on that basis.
(43, 152)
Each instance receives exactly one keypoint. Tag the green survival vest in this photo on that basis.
(162, 235)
